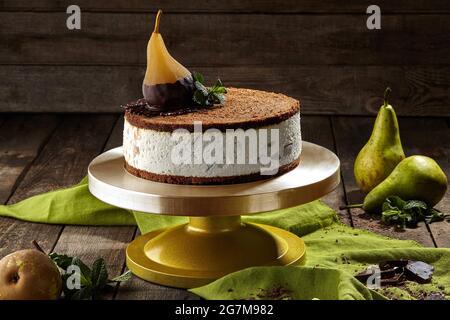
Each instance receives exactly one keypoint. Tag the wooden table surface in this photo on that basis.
(42, 152)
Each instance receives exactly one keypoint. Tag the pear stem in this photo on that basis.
(350, 206)
(37, 246)
(158, 18)
(386, 95)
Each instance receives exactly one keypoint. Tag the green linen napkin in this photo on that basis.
(335, 252)
(74, 205)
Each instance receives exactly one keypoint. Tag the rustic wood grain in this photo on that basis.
(61, 162)
(346, 90)
(431, 137)
(226, 39)
(116, 138)
(235, 6)
(18, 152)
(351, 134)
(138, 289)
(318, 130)
(21, 139)
(90, 243)
(64, 160)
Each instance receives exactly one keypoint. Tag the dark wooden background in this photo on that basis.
(318, 51)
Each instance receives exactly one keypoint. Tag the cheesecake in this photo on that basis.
(256, 135)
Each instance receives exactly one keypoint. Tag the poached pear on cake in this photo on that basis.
(171, 105)
(167, 83)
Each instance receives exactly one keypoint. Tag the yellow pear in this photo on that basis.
(167, 83)
(29, 275)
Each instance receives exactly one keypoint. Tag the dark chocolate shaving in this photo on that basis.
(142, 107)
(395, 272)
(419, 271)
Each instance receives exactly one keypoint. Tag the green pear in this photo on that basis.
(414, 178)
(382, 152)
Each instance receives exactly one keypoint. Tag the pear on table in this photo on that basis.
(382, 152)
(167, 83)
(29, 275)
(414, 178)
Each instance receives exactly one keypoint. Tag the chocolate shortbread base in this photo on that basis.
(208, 180)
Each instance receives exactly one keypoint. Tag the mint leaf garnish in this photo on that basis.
(198, 77)
(123, 277)
(408, 213)
(61, 260)
(208, 96)
(92, 280)
(200, 98)
(99, 275)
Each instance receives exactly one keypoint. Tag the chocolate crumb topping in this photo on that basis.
(143, 108)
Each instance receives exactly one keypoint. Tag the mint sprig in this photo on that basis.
(408, 213)
(92, 280)
(208, 96)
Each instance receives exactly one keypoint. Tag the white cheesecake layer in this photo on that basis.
(158, 152)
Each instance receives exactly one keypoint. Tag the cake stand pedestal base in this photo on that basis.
(207, 248)
(215, 242)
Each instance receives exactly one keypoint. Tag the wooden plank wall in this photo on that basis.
(318, 51)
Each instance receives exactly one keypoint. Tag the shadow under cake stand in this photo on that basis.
(215, 242)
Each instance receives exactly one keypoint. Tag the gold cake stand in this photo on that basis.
(215, 242)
